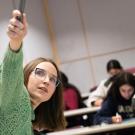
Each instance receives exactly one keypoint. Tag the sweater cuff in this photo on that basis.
(13, 55)
(14, 50)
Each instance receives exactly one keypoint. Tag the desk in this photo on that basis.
(81, 111)
(95, 129)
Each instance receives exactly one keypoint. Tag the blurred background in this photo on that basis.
(79, 35)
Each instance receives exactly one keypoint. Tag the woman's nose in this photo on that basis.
(46, 79)
(127, 94)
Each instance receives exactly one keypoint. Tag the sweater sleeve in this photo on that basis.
(99, 93)
(11, 77)
(104, 115)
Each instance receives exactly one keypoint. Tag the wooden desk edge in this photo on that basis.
(81, 111)
(94, 129)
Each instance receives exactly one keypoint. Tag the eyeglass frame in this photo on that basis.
(45, 75)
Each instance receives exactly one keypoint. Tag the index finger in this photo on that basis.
(16, 13)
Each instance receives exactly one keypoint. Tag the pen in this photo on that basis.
(117, 117)
(21, 9)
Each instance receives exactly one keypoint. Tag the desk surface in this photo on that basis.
(94, 129)
(81, 111)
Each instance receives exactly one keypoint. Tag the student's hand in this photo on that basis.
(116, 119)
(98, 102)
(16, 30)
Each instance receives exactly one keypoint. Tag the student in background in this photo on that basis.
(72, 100)
(118, 104)
(96, 98)
(70, 90)
(40, 97)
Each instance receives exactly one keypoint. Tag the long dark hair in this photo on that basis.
(119, 80)
(48, 114)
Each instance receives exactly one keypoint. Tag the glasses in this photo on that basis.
(41, 74)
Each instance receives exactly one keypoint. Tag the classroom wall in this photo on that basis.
(89, 33)
(37, 41)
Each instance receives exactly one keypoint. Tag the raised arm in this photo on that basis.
(11, 70)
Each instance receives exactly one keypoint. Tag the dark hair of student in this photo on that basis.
(113, 64)
(67, 85)
(119, 80)
(48, 114)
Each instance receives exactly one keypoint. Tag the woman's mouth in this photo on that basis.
(43, 89)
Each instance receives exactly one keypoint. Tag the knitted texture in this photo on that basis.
(15, 106)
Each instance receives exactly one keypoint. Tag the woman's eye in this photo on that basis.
(40, 73)
(52, 79)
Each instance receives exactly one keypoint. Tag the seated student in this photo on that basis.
(73, 92)
(118, 104)
(97, 96)
(72, 100)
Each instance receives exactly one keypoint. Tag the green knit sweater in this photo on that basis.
(15, 106)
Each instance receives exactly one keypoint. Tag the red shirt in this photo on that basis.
(70, 99)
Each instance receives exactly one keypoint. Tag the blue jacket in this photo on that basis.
(109, 108)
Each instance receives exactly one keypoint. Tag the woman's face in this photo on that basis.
(126, 91)
(42, 82)
(114, 71)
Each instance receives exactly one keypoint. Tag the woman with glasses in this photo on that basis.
(29, 99)
(42, 79)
